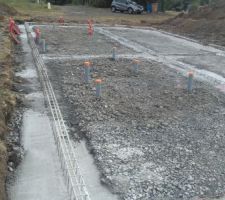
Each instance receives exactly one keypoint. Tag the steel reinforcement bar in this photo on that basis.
(74, 181)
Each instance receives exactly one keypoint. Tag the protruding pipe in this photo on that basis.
(87, 66)
(136, 64)
(114, 53)
(49, 6)
(43, 44)
(98, 87)
(190, 81)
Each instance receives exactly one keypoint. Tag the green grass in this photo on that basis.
(29, 7)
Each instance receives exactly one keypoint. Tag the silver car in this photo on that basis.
(126, 5)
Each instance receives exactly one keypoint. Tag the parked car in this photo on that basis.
(126, 5)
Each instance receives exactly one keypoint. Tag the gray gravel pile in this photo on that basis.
(150, 138)
(76, 41)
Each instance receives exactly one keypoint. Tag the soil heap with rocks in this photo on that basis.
(8, 98)
(205, 24)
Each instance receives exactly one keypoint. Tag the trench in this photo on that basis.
(39, 176)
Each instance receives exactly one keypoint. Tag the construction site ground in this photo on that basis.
(149, 137)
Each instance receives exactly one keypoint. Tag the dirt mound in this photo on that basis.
(212, 12)
(205, 24)
(7, 100)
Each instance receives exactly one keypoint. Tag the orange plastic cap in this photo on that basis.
(98, 81)
(87, 64)
(136, 61)
(191, 73)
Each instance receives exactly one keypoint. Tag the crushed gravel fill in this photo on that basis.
(149, 137)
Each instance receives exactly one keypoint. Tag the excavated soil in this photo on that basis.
(149, 137)
(206, 24)
(8, 100)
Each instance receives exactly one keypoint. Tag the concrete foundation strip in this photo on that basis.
(48, 57)
(75, 184)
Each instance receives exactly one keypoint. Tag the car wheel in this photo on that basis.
(130, 10)
(113, 9)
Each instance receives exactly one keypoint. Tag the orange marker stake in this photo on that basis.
(98, 87)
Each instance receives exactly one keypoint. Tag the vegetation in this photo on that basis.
(167, 4)
(23, 4)
(29, 7)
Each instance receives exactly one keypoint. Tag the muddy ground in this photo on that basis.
(150, 138)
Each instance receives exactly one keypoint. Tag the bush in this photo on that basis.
(101, 3)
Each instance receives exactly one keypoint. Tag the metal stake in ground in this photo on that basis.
(87, 66)
(98, 87)
(114, 53)
(190, 81)
(136, 64)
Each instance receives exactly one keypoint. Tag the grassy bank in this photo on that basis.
(27, 9)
